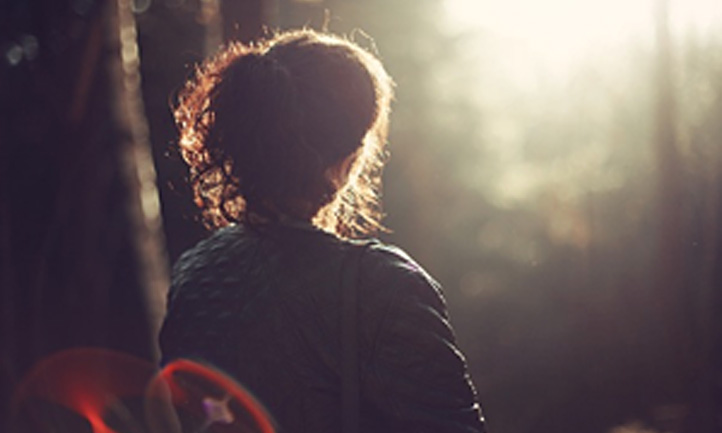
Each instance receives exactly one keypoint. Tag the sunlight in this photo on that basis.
(556, 34)
(561, 68)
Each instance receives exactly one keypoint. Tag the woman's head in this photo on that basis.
(293, 126)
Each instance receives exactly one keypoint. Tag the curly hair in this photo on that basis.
(263, 126)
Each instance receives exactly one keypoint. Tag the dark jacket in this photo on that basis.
(263, 304)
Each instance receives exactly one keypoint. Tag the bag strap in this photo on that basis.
(350, 405)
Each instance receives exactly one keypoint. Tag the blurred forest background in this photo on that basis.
(556, 165)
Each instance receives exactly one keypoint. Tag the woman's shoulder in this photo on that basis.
(216, 241)
(215, 252)
(392, 273)
(392, 256)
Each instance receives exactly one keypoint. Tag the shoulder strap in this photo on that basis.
(350, 405)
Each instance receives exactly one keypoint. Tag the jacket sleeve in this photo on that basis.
(416, 376)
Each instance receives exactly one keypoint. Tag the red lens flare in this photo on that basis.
(87, 381)
(103, 391)
(203, 399)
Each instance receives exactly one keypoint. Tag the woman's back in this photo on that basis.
(285, 141)
(264, 304)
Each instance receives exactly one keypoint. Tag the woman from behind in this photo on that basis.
(285, 143)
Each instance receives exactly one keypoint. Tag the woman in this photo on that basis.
(284, 140)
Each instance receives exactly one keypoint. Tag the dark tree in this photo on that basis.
(72, 270)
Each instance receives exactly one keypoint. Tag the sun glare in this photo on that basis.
(557, 33)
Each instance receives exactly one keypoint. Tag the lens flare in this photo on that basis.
(102, 391)
(91, 383)
(203, 399)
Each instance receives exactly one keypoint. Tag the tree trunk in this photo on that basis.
(71, 186)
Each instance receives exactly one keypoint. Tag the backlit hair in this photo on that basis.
(262, 124)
